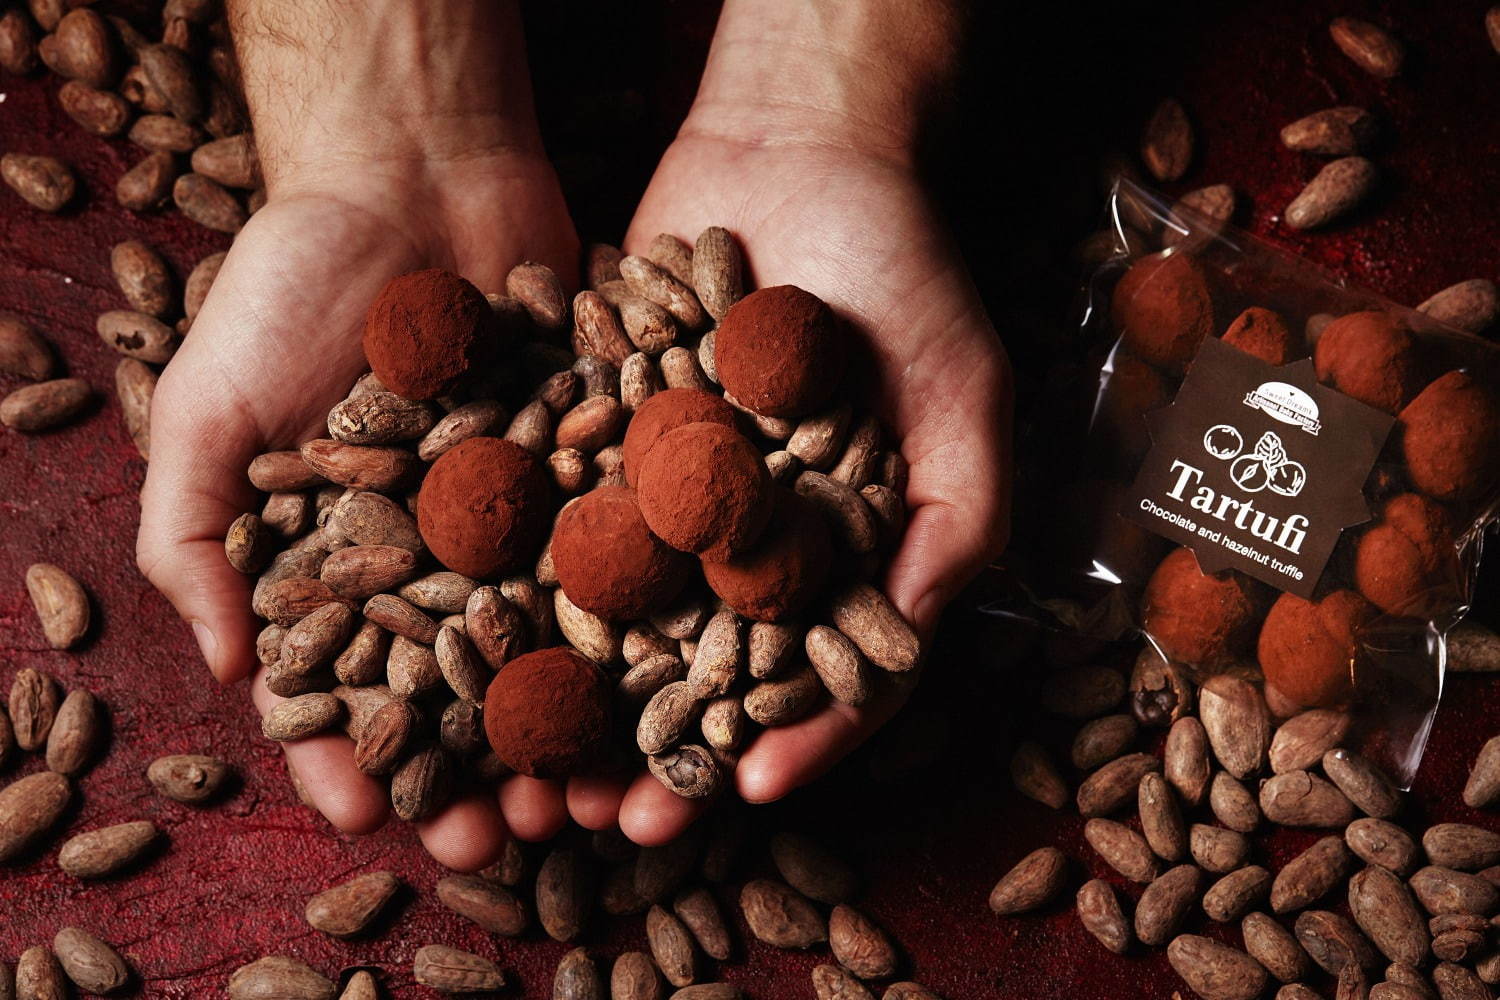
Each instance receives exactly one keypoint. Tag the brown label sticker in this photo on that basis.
(1257, 468)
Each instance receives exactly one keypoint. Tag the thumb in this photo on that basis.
(195, 487)
(959, 496)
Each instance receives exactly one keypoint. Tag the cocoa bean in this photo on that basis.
(1164, 904)
(1483, 786)
(709, 991)
(1301, 741)
(783, 918)
(643, 681)
(166, 134)
(479, 418)
(812, 869)
(392, 613)
(22, 350)
(1461, 846)
(838, 663)
(422, 784)
(99, 112)
(43, 406)
(300, 717)
(1378, 842)
(661, 869)
(699, 913)
(1337, 131)
(76, 733)
(461, 666)
(148, 184)
(784, 700)
(1232, 804)
(1121, 848)
(279, 977)
(361, 986)
(1443, 890)
(1167, 141)
(865, 615)
(723, 723)
(364, 467)
(1161, 817)
(577, 978)
(347, 910)
(1237, 722)
(1311, 875)
(1471, 306)
(538, 289)
(189, 778)
(564, 893)
(34, 700)
(639, 380)
(1336, 190)
(1102, 740)
(1100, 913)
(311, 643)
(689, 771)
(667, 717)
(382, 741)
(449, 970)
(1371, 48)
(671, 946)
(104, 851)
(43, 182)
(208, 204)
(1113, 785)
(1229, 897)
(833, 983)
(591, 635)
(717, 271)
(380, 418)
(1217, 850)
(1274, 946)
(1034, 881)
(1216, 971)
(1333, 942)
(461, 729)
(17, 43)
(1454, 982)
(634, 977)
(135, 386)
(908, 991)
(1362, 783)
(1298, 798)
(1035, 776)
(29, 807)
(231, 161)
(1185, 761)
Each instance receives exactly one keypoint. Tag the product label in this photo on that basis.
(1257, 468)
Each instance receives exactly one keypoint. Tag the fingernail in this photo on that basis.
(207, 645)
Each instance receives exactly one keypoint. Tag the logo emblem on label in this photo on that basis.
(1287, 403)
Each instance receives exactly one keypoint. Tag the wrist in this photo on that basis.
(383, 89)
(859, 74)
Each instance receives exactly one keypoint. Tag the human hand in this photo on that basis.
(277, 342)
(797, 146)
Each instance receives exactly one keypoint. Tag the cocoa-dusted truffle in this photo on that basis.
(1307, 648)
(425, 331)
(1119, 435)
(1371, 356)
(1163, 308)
(482, 509)
(1406, 563)
(780, 351)
(607, 560)
(785, 570)
(1263, 334)
(1196, 618)
(1450, 438)
(704, 488)
(547, 713)
(666, 411)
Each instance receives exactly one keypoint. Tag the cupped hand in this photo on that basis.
(853, 225)
(276, 344)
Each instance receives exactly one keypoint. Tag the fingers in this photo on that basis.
(195, 487)
(650, 815)
(467, 835)
(533, 809)
(784, 758)
(594, 802)
(348, 798)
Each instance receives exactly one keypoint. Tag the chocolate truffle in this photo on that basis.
(780, 351)
(705, 489)
(609, 563)
(785, 570)
(1119, 435)
(1163, 309)
(1307, 648)
(425, 331)
(666, 411)
(482, 509)
(1196, 618)
(1371, 356)
(1450, 438)
(547, 713)
(1406, 563)
(1263, 334)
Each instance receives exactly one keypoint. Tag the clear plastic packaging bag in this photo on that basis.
(1260, 470)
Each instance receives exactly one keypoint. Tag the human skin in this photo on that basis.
(802, 142)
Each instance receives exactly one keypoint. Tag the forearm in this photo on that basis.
(841, 71)
(383, 85)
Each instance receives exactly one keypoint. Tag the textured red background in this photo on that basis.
(1013, 165)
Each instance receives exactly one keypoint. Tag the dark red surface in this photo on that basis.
(230, 882)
